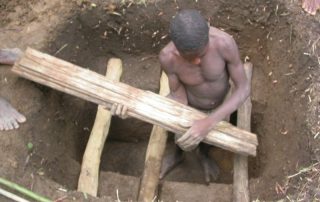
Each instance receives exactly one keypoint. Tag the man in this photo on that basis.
(199, 62)
(9, 116)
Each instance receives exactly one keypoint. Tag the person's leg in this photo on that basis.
(210, 167)
(9, 116)
(9, 56)
(171, 161)
(311, 6)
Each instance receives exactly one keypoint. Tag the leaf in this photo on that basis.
(30, 146)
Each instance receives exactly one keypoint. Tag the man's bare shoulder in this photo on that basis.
(221, 39)
(166, 56)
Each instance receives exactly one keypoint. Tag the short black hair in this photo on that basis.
(189, 31)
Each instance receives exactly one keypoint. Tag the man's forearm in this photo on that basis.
(230, 105)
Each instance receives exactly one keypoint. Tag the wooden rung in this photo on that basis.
(89, 175)
(144, 105)
(240, 176)
(154, 154)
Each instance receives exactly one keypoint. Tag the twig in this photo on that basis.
(303, 170)
(23, 190)
(61, 198)
(277, 8)
(290, 36)
(314, 45)
(154, 199)
(118, 200)
(60, 49)
(148, 57)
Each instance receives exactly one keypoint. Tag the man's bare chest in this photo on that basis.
(205, 72)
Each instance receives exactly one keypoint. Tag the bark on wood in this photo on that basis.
(154, 155)
(89, 175)
(144, 105)
(240, 176)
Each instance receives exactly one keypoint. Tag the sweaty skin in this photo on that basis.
(202, 81)
(9, 116)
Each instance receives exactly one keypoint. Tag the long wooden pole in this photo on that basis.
(154, 154)
(89, 175)
(240, 176)
(144, 105)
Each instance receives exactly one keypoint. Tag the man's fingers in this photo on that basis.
(177, 137)
(185, 124)
(188, 147)
(119, 109)
(191, 143)
(113, 109)
(124, 112)
(191, 147)
(186, 143)
(184, 137)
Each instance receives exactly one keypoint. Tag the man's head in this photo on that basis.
(189, 32)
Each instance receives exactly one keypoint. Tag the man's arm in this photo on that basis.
(177, 90)
(230, 53)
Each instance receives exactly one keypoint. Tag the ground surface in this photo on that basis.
(281, 40)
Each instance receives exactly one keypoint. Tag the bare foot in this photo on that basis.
(170, 162)
(210, 167)
(9, 56)
(9, 117)
(311, 6)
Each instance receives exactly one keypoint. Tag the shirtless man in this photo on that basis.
(9, 116)
(199, 62)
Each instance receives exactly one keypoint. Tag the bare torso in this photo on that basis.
(206, 84)
(201, 80)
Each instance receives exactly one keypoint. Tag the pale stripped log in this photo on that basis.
(240, 175)
(154, 154)
(89, 175)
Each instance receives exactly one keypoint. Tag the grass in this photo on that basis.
(305, 184)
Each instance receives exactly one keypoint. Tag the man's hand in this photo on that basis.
(119, 110)
(198, 131)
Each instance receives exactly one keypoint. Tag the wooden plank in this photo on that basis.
(240, 176)
(154, 155)
(144, 105)
(89, 175)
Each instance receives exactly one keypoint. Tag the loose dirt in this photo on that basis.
(278, 37)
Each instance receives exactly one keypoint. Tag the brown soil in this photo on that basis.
(276, 35)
